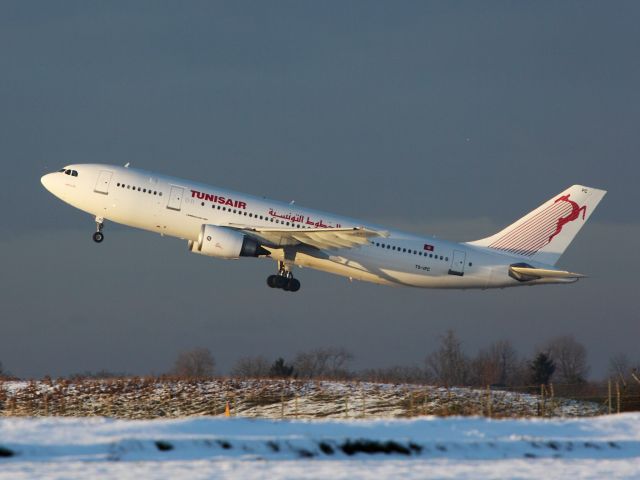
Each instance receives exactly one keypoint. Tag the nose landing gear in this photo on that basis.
(284, 279)
(99, 236)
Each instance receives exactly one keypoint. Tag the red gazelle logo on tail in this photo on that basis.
(534, 233)
(573, 215)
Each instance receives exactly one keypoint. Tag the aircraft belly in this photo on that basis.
(361, 266)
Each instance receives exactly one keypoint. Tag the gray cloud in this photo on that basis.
(452, 119)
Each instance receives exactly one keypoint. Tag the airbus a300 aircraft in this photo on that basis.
(225, 224)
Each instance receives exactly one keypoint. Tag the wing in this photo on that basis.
(322, 238)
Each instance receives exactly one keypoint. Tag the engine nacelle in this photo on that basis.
(224, 242)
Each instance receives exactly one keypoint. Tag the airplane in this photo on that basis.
(225, 224)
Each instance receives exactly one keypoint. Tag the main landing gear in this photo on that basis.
(99, 236)
(284, 279)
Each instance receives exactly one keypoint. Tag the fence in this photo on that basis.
(163, 397)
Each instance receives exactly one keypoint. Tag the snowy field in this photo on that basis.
(428, 447)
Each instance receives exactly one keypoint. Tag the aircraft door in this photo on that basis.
(457, 263)
(104, 179)
(175, 198)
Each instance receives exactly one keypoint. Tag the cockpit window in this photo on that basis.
(74, 173)
(67, 172)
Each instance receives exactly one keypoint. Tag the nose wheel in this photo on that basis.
(99, 236)
(283, 280)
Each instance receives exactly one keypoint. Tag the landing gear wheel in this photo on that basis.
(99, 236)
(283, 280)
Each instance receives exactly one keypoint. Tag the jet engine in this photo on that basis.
(222, 242)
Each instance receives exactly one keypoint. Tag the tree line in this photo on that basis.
(562, 360)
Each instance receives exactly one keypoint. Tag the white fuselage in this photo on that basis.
(179, 208)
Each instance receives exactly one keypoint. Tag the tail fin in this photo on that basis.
(544, 234)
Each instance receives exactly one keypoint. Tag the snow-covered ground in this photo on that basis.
(429, 447)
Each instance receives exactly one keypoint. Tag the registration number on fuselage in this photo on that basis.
(423, 267)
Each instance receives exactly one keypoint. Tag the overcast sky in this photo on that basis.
(446, 118)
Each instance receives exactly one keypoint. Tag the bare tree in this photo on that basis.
(496, 365)
(395, 374)
(328, 362)
(448, 365)
(251, 367)
(196, 363)
(621, 368)
(570, 358)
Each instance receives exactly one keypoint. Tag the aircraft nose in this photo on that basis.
(46, 181)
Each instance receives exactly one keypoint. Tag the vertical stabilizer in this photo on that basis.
(544, 234)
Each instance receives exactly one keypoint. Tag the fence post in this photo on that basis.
(542, 399)
(610, 402)
(346, 406)
(424, 404)
(282, 404)
(489, 402)
(296, 406)
(363, 403)
(411, 403)
(618, 394)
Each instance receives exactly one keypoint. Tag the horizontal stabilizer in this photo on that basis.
(529, 273)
